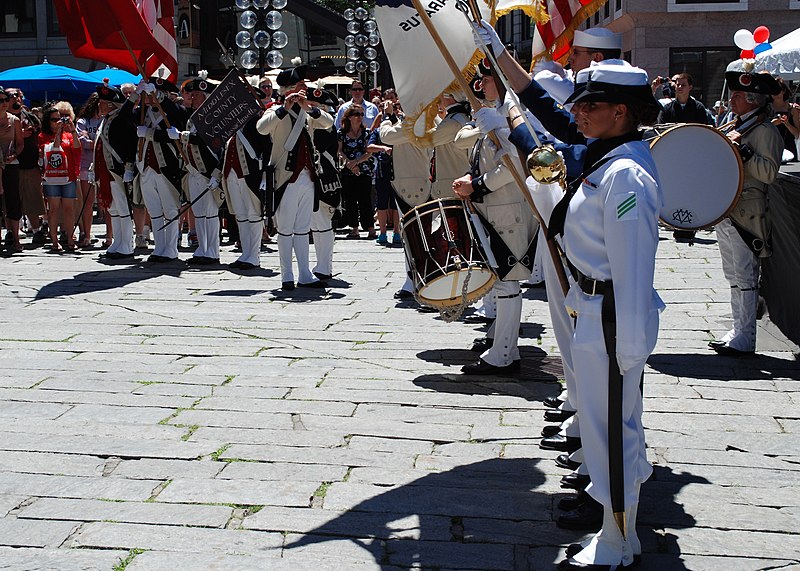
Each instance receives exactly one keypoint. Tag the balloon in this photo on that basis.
(761, 35)
(744, 40)
(747, 54)
(762, 47)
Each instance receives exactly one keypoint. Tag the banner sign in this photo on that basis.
(226, 110)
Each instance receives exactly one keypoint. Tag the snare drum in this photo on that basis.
(444, 254)
(700, 172)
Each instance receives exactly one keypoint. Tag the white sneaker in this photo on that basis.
(141, 241)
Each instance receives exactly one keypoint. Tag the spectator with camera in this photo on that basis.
(684, 108)
(60, 152)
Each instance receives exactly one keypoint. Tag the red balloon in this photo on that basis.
(761, 34)
(747, 54)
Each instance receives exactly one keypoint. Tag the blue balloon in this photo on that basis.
(762, 48)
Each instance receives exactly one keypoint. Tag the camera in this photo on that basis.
(64, 119)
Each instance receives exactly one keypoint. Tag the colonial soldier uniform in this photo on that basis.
(246, 177)
(327, 145)
(160, 170)
(610, 228)
(112, 163)
(412, 185)
(449, 161)
(744, 237)
(512, 229)
(297, 185)
(202, 182)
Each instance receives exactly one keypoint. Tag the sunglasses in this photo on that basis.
(356, 89)
(265, 86)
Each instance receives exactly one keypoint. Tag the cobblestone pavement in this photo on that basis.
(163, 418)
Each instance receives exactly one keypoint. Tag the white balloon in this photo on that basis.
(744, 39)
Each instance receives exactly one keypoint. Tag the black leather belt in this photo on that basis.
(590, 286)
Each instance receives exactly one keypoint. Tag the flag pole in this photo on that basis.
(475, 104)
(158, 103)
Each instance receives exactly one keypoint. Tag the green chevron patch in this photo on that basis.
(626, 207)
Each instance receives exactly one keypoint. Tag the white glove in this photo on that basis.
(488, 119)
(141, 131)
(486, 35)
(141, 87)
(129, 175)
(173, 133)
(149, 88)
(213, 183)
(90, 178)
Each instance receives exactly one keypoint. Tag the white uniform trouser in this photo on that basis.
(505, 330)
(408, 284)
(121, 220)
(488, 305)
(247, 207)
(293, 223)
(322, 228)
(590, 361)
(162, 202)
(206, 217)
(741, 268)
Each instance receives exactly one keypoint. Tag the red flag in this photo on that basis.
(93, 30)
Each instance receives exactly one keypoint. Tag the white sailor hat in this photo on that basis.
(582, 77)
(615, 83)
(597, 38)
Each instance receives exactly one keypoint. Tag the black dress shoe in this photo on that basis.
(323, 277)
(235, 265)
(561, 443)
(588, 517)
(481, 344)
(574, 502)
(563, 461)
(403, 294)
(558, 415)
(203, 261)
(731, 352)
(315, 285)
(569, 564)
(249, 266)
(195, 261)
(287, 286)
(551, 430)
(115, 256)
(575, 481)
(484, 368)
(716, 343)
(552, 402)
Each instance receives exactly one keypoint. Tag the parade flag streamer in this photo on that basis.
(419, 70)
(552, 35)
(93, 27)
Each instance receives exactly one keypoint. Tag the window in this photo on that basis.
(18, 17)
(707, 68)
(705, 5)
(606, 10)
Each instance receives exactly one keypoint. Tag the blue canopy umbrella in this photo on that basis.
(48, 82)
(115, 76)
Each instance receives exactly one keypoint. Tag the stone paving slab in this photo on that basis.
(167, 418)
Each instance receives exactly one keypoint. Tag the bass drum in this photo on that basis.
(446, 260)
(700, 172)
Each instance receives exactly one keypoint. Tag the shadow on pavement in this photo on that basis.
(102, 280)
(713, 366)
(489, 515)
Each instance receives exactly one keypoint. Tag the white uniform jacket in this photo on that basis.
(497, 198)
(411, 165)
(451, 161)
(278, 123)
(611, 233)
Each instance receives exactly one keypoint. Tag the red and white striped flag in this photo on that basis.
(159, 15)
(552, 37)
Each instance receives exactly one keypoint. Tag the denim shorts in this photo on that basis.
(69, 190)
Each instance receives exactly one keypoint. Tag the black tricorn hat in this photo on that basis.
(110, 93)
(291, 76)
(199, 83)
(163, 84)
(323, 96)
(741, 77)
(476, 87)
